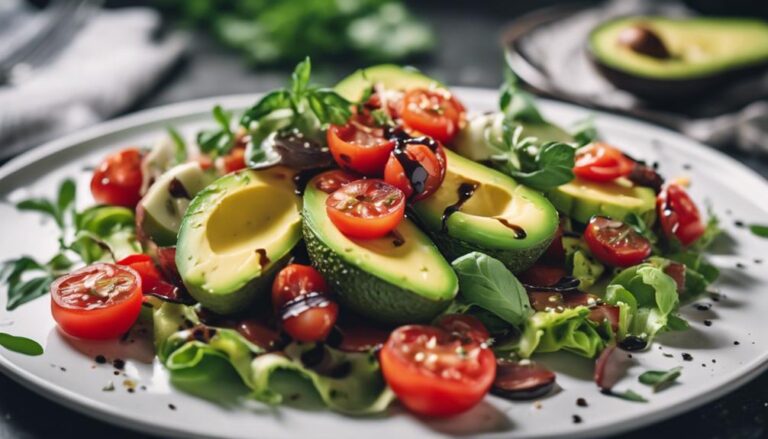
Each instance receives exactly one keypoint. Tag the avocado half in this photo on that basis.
(235, 235)
(390, 76)
(660, 58)
(581, 199)
(400, 278)
(498, 216)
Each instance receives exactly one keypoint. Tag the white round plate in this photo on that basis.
(67, 373)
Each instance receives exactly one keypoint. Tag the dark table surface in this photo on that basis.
(468, 55)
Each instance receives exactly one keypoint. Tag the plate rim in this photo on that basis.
(190, 108)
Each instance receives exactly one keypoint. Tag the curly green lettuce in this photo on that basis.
(200, 357)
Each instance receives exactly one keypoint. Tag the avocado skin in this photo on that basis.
(668, 90)
(365, 293)
(516, 260)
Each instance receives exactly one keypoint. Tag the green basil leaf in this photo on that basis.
(22, 345)
(628, 395)
(180, 146)
(66, 198)
(584, 131)
(300, 78)
(487, 283)
(553, 167)
(660, 379)
(25, 291)
(223, 118)
(274, 100)
(759, 230)
(40, 205)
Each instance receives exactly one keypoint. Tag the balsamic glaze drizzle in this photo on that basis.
(177, 190)
(465, 191)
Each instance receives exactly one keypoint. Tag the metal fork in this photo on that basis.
(65, 17)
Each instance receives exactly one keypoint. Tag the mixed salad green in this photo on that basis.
(375, 241)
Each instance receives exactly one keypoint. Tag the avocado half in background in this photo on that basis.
(661, 58)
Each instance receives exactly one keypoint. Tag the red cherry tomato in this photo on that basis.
(299, 297)
(542, 275)
(615, 243)
(601, 162)
(117, 180)
(678, 214)
(295, 280)
(426, 170)
(330, 181)
(435, 113)
(309, 317)
(359, 147)
(555, 253)
(152, 281)
(234, 161)
(366, 208)
(434, 372)
(463, 326)
(99, 301)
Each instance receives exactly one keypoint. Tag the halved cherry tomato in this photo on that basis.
(330, 181)
(426, 170)
(99, 301)
(295, 280)
(152, 281)
(615, 243)
(235, 160)
(117, 180)
(309, 317)
(555, 253)
(601, 162)
(436, 113)
(359, 147)
(366, 208)
(463, 326)
(678, 214)
(300, 299)
(434, 372)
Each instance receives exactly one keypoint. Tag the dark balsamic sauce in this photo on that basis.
(465, 191)
(177, 190)
(301, 179)
(633, 343)
(581, 402)
(519, 231)
(416, 174)
(397, 238)
(304, 303)
(263, 258)
(687, 357)
(564, 285)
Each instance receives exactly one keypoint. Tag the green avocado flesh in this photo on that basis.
(697, 47)
(581, 199)
(501, 218)
(399, 278)
(390, 76)
(167, 199)
(235, 235)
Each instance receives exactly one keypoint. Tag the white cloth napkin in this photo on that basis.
(734, 114)
(112, 61)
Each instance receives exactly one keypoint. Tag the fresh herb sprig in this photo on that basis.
(219, 141)
(660, 379)
(84, 236)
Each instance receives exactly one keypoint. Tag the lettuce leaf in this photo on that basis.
(200, 358)
(583, 266)
(569, 330)
(646, 298)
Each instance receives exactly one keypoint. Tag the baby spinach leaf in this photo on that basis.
(551, 167)
(584, 131)
(759, 230)
(487, 283)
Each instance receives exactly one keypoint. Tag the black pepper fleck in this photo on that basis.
(758, 261)
(100, 359)
(736, 343)
(703, 306)
(171, 406)
(63, 369)
(131, 390)
(577, 419)
(740, 265)
(714, 361)
(118, 364)
(687, 166)
(687, 356)
(116, 372)
(738, 223)
(581, 402)
(707, 322)
(668, 355)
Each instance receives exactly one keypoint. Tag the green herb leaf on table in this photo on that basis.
(660, 379)
(627, 395)
(759, 230)
(487, 283)
(21, 345)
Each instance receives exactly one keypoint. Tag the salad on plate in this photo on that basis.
(374, 242)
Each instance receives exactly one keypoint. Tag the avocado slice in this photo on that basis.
(665, 58)
(581, 199)
(168, 198)
(235, 235)
(390, 76)
(401, 278)
(501, 218)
